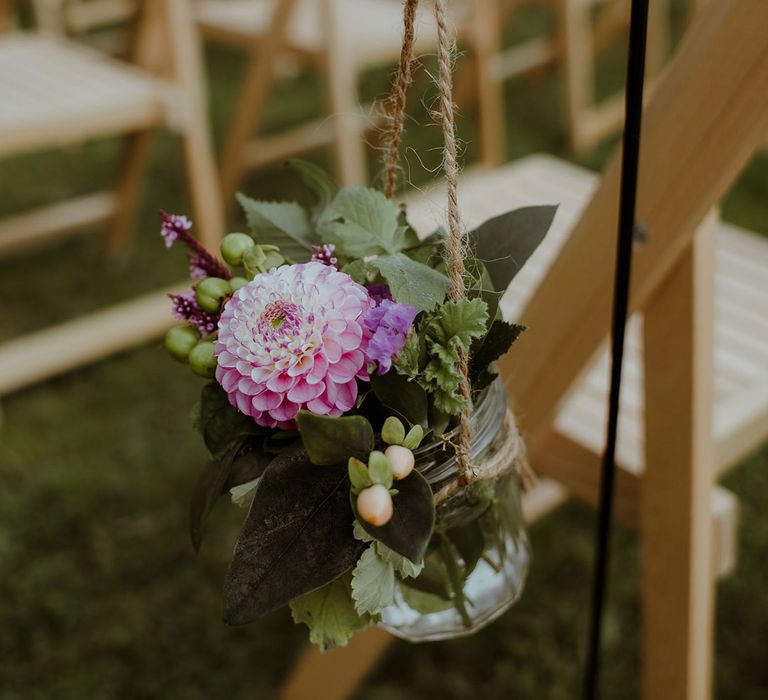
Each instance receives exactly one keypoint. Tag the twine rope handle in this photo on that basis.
(457, 245)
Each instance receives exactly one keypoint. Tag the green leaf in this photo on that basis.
(414, 437)
(496, 342)
(393, 431)
(361, 221)
(412, 282)
(410, 528)
(330, 440)
(330, 614)
(284, 224)
(359, 533)
(405, 397)
(451, 329)
(220, 423)
(380, 469)
(505, 242)
(373, 583)
(405, 567)
(319, 181)
(295, 539)
(470, 544)
(457, 322)
(412, 358)
(358, 475)
(207, 490)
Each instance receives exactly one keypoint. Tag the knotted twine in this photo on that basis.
(511, 452)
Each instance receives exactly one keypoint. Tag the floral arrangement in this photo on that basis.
(331, 349)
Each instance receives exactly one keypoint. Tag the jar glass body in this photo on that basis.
(477, 560)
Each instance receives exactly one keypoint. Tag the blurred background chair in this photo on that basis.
(55, 93)
(341, 39)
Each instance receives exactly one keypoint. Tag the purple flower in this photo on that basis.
(174, 226)
(201, 263)
(389, 324)
(186, 308)
(325, 254)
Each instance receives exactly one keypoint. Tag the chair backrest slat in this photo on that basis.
(702, 123)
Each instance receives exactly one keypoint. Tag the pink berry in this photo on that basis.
(401, 459)
(374, 505)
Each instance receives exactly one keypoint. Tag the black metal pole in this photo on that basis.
(629, 168)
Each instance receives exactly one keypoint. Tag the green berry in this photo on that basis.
(202, 360)
(180, 340)
(236, 282)
(234, 246)
(210, 292)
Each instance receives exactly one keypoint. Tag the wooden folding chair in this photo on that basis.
(56, 92)
(695, 397)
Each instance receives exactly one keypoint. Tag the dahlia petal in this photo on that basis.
(347, 367)
(346, 395)
(266, 401)
(303, 391)
(281, 382)
(319, 406)
(286, 411)
(333, 348)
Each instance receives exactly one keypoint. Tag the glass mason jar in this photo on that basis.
(478, 557)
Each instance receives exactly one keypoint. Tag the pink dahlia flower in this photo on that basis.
(291, 339)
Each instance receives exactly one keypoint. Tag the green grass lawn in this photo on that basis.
(101, 595)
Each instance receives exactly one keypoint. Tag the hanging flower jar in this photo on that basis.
(352, 404)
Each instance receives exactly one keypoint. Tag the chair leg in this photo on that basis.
(678, 580)
(576, 51)
(187, 68)
(487, 26)
(252, 99)
(135, 155)
(337, 674)
(340, 77)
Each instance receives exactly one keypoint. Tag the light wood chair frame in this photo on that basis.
(165, 45)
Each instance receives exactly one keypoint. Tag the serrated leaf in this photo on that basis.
(413, 519)
(330, 440)
(412, 282)
(380, 469)
(401, 395)
(330, 614)
(457, 322)
(373, 583)
(505, 242)
(319, 181)
(295, 539)
(412, 357)
(284, 224)
(360, 534)
(361, 221)
(405, 567)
